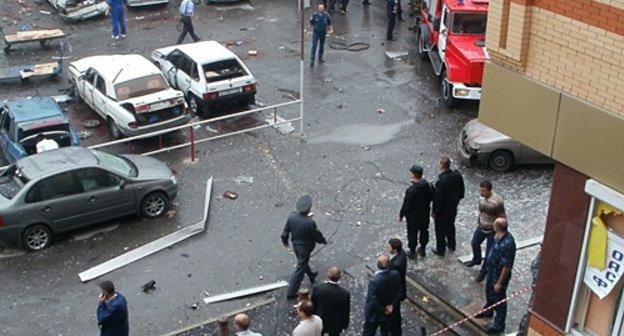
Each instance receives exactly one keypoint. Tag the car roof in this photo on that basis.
(34, 109)
(56, 160)
(108, 66)
(206, 51)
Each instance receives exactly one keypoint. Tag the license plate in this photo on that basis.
(159, 106)
(229, 92)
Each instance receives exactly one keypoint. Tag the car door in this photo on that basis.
(187, 69)
(100, 99)
(444, 26)
(58, 201)
(106, 195)
(170, 67)
(89, 86)
(5, 122)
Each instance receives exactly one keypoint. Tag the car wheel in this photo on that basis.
(36, 237)
(154, 205)
(114, 130)
(501, 161)
(422, 53)
(446, 90)
(195, 105)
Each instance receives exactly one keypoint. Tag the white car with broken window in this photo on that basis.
(208, 73)
(129, 93)
(77, 10)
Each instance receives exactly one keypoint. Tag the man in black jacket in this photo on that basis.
(449, 190)
(416, 208)
(304, 235)
(384, 291)
(332, 303)
(398, 262)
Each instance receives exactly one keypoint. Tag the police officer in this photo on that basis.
(304, 235)
(116, 11)
(319, 22)
(499, 263)
(187, 12)
(392, 8)
(449, 190)
(416, 207)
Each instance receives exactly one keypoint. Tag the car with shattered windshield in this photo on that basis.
(78, 10)
(72, 187)
(23, 121)
(208, 73)
(128, 92)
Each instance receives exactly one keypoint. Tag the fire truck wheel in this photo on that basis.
(421, 45)
(446, 90)
(501, 161)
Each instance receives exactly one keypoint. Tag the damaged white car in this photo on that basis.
(78, 10)
(139, 3)
(128, 92)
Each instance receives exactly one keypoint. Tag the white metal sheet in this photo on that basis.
(245, 292)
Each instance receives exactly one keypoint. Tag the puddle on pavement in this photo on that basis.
(363, 135)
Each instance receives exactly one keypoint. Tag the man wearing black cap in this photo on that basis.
(304, 236)
(416, 206)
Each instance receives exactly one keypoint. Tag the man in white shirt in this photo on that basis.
(310, 325)
(241, 325)
(44, 144)
(187, 12)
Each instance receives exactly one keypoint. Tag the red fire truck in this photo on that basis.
(452, 34)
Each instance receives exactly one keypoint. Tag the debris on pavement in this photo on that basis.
(240, 179)
(245, 292)
(380, 110)
(230, 195)
(195, 306)
(84, 135)
(92, 123)
(148, 286)
(396, 55)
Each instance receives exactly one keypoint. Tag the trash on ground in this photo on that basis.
(230, 194)
(240, 179)
(148, 286)
(253, 53)
(396, 54)
(84, 135)
(195, 306)
(92, 123)
(380, 110)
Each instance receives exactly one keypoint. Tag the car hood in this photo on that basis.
(478, 133)
(149, 167)
(471, 47)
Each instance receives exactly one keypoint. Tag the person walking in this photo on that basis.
(304, 235)
(332, 303)
(391, 12)
(398, 263)
(112, 311)
(310, 325)
(116, 11)
(320, 22)
(449, 190)
(415, 209)
(187, 14)
(330, 5)
(490, 207)
(499, 262)
(343, 6)
(384, 290)
(241, 326)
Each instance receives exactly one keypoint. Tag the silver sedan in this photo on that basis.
(73, 187)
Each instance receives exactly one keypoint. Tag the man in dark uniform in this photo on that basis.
(398, 262)
(330, 5)
(449, 190)
(332, 303)
(304, 235)
(319, 22)
(499, 263)
(392, 7)
(416, 208)
(384, 290)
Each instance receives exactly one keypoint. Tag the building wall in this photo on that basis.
(573, 45)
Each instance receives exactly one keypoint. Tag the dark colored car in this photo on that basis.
(23, 120)
(73, 187)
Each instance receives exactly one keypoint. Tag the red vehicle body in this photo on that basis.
(451, 33)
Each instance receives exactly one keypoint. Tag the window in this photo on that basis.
(189, 67)
(90, 76)
(11, 182)
(140, 86)
(469, 23)
(597, 306)
(100, 85)
(223, 70)
(94, 179)
(53, 187)
(174, 57)
(116, 163)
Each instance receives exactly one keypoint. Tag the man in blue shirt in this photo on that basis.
(319, 22)
(499, 263)
(187, 11)
(112, 311)
(116, 11)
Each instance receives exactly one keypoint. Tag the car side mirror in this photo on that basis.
(122, 184)
(436, 23)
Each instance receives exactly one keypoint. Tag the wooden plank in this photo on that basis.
(245, 292)
(34, 35)
(39, 70)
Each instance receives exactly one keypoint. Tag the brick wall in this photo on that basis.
(576, 46)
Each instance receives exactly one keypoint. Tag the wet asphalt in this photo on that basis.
(367, 120)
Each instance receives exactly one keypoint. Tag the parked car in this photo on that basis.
(22, 121)
(72, 187)
(77, 10)
(129, 93)
(140, 3)
(208, 73)
(480, 144)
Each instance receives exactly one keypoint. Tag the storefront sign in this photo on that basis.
(602, 282)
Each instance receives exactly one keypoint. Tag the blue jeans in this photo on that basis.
(477, 239)
(316, 38)
(492, 297)
(118, 20)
